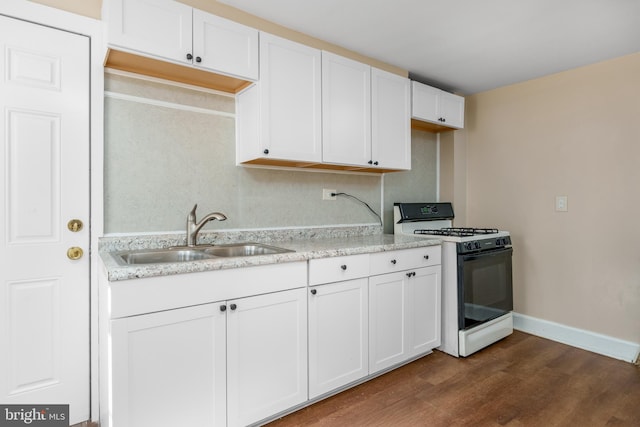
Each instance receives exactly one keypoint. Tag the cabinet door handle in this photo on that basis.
(393, 261)
(189, 56)
(370, 162)
(343, 267)
(198, 59)
(314, 291)
(426, 257)
(233, 306)
(375, 163)
(266, 151)
(223, 307)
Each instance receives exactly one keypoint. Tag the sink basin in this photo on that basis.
(183, 254)
(244, 249)
(162, 256)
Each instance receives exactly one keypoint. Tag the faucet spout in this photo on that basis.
(193, 227)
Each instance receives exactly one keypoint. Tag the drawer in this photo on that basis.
(337, 269)
(404, 259)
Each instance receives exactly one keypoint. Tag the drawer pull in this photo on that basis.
(411, 274)
(426, 257)
(343, 267)
(314, 291)
(393, 261)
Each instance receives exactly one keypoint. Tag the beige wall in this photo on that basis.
(575, 133)
(90, 8)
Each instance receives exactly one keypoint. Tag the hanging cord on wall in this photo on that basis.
(364, 203)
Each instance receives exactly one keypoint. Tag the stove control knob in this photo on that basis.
(477, 245)
(469, 246)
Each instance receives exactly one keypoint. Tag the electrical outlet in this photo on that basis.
(326, 194)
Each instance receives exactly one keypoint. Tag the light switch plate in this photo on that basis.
(562, 204)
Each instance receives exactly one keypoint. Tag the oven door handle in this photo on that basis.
(493, 252)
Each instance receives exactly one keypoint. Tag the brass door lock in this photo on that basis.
(74, 253)
(75, 225)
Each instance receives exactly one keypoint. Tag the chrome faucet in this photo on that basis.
(194, 227)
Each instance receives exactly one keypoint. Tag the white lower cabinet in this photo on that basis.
(404, 316)
(169, 368)
(278, 336)
(228, 363)
(266, 355)
(338, 335)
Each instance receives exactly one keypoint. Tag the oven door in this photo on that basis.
(484, 286)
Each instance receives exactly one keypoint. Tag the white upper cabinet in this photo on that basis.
(224, 46)
(366, 115)
(175, 32)
(346, 111)
(437, 106)
(155, 27)
(279, 118)
(390, 120)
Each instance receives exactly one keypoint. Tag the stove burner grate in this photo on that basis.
(457, 231)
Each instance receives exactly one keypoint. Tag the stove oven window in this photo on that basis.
(485, 287)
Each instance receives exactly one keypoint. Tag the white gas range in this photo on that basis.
(477, 293)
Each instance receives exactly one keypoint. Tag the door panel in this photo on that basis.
(33, 185)
(44, 182)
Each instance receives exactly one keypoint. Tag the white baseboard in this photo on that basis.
(587, 340)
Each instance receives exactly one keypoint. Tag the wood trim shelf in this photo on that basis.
(429, 127)
(126, 61)
(311, 165)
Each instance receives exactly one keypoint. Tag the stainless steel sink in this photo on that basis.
(185, 253)
(162, 256)
(244, 249)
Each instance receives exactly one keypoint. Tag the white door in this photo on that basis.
(225, 46)
(338, 335)
(169, 368)
(425, 102)
(390, 120)
(290, 100)
(346, 111)
(387, 320)
(44, 184)
(155, 27)
(424, 310)
(451, 109)
(266, 355)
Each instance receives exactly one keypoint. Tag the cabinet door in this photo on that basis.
(224, 46)
(424, 310)
(390, 120)
(451, 109)
(425, 102)
(155, 27)
(168, 368)
(290, 100)
(387, 321)
(338, 335)
(267, 355)
(346, 111)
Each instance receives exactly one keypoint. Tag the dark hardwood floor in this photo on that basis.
(523, 380)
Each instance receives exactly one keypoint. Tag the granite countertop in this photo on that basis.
(306, 247)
